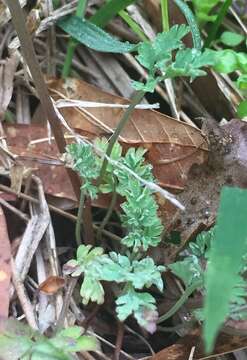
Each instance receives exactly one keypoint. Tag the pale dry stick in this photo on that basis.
(42, 90)
(66, 303)
(51, 40)
(109, 344)
(135, 13)
(244, 28)
(6, 16)
(53, 260)
(56, 15)
(51, 246)
(57, 211)
(43, 300)
(192, 353)
(64, 103)
(34, 233)
(17, 212)
(24, 300)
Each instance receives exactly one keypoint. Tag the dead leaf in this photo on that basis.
(51, 285)
(5, 267)
(173, 146)
(180, 351)
(41, 156)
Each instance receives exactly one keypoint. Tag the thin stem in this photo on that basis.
(68, 295)
(191, 20)
(80, 12)
(79, 219)
(165, 14)
(40, 85)
(133, 25)
(119, 341)
(109, 212)
(190, 289)
(214, 30)
(123, 121)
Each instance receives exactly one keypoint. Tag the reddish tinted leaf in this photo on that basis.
(51, 285)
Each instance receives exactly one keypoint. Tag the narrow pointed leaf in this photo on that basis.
(92, 36)
(225, 260)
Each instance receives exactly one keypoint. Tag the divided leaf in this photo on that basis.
(138, 304)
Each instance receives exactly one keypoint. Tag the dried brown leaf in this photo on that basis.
(173, 146)
(51, 285)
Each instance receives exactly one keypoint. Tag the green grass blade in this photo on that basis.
(228, 248)
(107, 12)
(92, 36)
(216, 25)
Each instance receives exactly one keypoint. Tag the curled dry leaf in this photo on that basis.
(172, 146)
(51, 285)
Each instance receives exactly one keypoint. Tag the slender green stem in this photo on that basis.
(133, 25)
(190, 289)
(79, 219)
(80, 12)
(69, 57)
(81, 8)
(191, 22)
(123, 121)
(109, 211)
(165, 14)
(107, 12)
(215, 27)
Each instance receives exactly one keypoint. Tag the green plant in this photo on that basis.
(134, 270)
(228, 61)
(223, 251)
(203, 10)
(157, 58)
(18, 341)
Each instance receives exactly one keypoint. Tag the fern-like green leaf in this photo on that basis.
(225, 260)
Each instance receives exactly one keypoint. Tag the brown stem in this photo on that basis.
(119, 342)
(32, 62)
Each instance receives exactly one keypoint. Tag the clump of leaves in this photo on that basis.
(228, 61)
(18, 341)
(157, 57)
(223, 280)
(222, 251)
(203, 10)
(132, 271)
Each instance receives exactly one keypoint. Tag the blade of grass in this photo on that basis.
(107, 12)
(133, 25)
(216, 25)
(165, 14)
